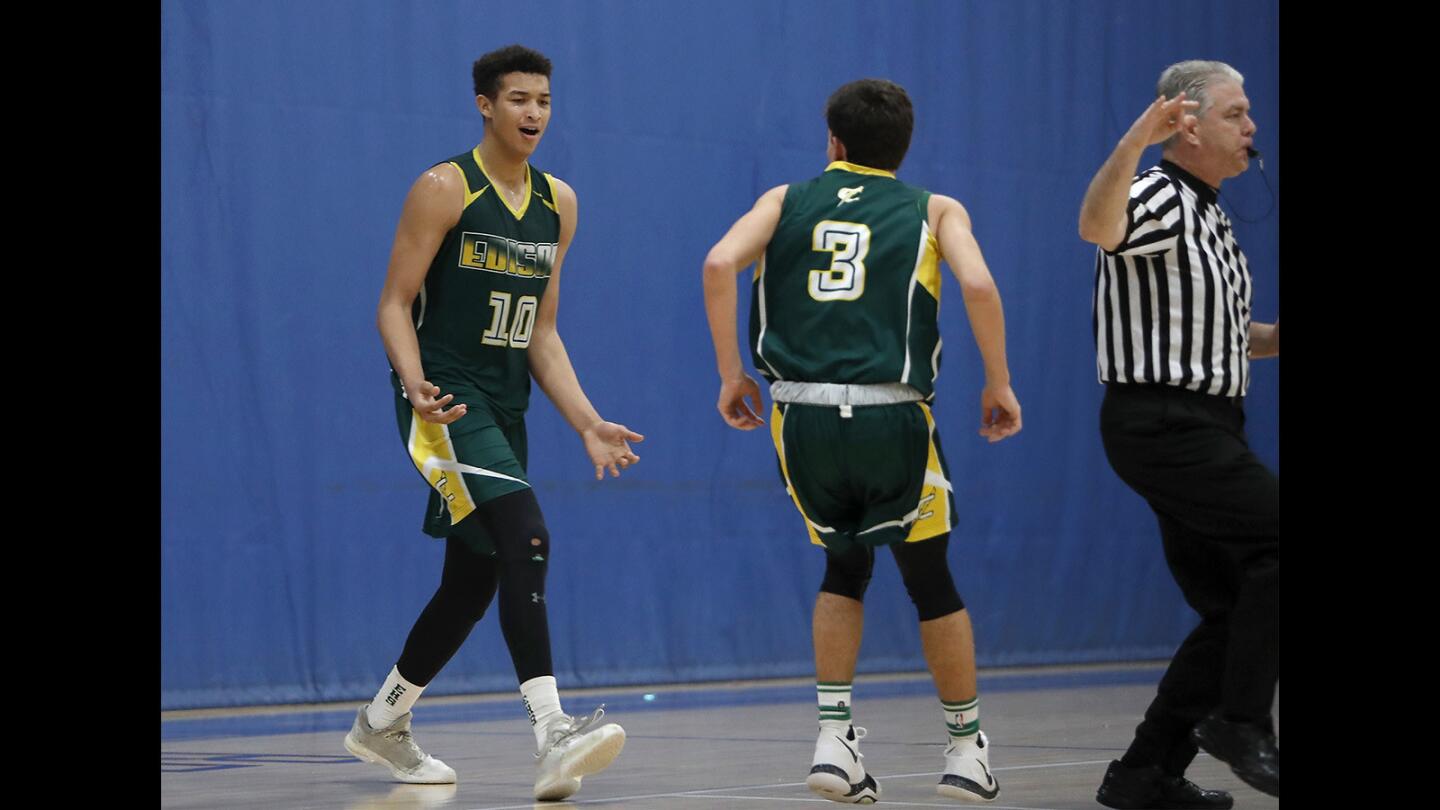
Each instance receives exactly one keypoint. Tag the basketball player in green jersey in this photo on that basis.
(468, 315)
(844, 327)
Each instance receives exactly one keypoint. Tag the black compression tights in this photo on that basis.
(470, 581)
(922, 567)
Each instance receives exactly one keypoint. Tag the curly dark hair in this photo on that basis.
(874, 119)
(510, 59)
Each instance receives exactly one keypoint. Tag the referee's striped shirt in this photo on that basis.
(1172, 302)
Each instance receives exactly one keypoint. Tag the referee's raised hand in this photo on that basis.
(1163, 118)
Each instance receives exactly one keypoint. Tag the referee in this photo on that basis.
(1174, 340)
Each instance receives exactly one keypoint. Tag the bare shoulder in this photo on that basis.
(442, 178)
(437, 196)
(772, 200)
(942, 207)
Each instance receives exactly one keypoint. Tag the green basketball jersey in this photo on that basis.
(848, 290)
(476, 311)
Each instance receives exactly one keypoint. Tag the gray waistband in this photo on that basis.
(812, 393)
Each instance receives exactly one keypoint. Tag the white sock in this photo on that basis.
(396, 697)
(962, 719)
(542, 703)
(835, 704)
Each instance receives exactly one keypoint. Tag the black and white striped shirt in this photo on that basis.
(1172, 302)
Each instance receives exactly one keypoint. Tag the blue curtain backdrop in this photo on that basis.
(292, 559)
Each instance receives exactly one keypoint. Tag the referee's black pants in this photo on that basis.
(1219, 513)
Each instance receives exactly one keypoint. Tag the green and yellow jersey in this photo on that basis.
(848, 290)
(476, 311)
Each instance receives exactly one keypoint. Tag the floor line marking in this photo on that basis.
(732, 788)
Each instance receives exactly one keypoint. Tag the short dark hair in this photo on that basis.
(874, 119)
(510, 59)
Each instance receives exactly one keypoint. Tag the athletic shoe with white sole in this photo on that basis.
(394, 747)
(967, 774)
(836, 772)
(575, 747)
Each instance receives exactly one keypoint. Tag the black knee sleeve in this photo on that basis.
(513, 524)
(848, 573)
(522, 546)
(528, 542)
(927, 577)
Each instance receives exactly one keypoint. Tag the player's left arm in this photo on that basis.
(606, 442)
(999, 408)
(1264, 339)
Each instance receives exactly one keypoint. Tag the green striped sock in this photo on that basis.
(962, 719)
(834, 700)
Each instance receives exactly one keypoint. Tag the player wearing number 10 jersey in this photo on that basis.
(490, 273)
(468, 315)
(844, 326)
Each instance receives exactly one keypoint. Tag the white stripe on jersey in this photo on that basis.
(760, 339)
(1190, 281)
(910, 297)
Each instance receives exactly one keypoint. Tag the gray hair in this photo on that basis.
(1193, 77)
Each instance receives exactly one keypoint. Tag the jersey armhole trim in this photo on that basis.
(554, 202)
(469, 196)
(922, 205)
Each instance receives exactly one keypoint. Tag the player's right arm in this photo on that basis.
(431, 209)
(950, 222)
(740, 247)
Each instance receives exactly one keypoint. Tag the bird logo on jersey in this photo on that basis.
(848, 195)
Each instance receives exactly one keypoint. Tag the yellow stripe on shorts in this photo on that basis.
(936, 519)
(777, 433)
(429, 441)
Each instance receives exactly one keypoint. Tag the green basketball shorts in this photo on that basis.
(875, 477)
(468, 462)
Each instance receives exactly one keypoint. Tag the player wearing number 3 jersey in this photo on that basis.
(844, 325)
(468, 315)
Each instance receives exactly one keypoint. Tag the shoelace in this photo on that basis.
(572, 727)
(405, 738)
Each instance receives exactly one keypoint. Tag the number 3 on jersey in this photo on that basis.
(847, 243)
(505, 332)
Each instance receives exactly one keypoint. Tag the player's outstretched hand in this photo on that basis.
(738, 413)
(609, 448)
(1163, 118)
(999, 413)
(426, 400)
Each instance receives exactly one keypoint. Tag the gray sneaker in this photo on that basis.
(394, 747)
(574, 748)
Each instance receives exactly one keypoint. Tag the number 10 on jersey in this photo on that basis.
(505, 332)
(847, 243)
